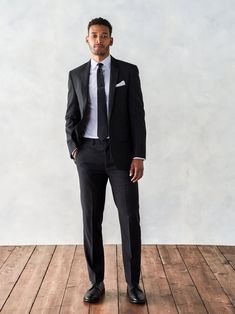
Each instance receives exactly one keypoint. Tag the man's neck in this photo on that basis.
(98, 58)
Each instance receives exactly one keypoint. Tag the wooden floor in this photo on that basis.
(176, 279)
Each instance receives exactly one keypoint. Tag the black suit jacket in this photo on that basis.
(126, 114)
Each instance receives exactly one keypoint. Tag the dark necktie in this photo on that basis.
(102, 108)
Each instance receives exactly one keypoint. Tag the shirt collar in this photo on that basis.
(106, 62)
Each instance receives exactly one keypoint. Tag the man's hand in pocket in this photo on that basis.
(74, 153)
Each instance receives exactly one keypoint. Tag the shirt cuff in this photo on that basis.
(141, 158)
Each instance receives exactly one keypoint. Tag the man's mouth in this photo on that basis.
(99, 46)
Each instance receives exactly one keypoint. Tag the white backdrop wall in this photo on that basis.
(185, 51)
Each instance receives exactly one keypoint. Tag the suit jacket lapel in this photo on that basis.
(84, 80)
(113, 81)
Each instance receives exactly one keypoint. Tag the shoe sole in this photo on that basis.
(137, 302)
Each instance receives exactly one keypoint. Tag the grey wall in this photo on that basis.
(185, 52)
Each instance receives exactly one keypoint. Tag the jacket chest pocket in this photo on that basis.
(121, 93)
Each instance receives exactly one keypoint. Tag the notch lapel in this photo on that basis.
(113, 80)
(84, 81)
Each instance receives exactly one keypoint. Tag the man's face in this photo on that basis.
(99, 40)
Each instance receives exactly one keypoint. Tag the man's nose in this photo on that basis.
(99, 39)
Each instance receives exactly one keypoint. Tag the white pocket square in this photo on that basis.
(120, 84)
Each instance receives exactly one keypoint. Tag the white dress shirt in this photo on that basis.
(92, 125)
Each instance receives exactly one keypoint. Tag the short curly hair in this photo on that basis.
(100, 21)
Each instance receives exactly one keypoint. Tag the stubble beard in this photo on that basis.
(98, 52)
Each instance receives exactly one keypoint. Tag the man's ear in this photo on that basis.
(86, 39)
(111, 41)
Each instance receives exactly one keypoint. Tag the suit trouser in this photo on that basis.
(95, 166)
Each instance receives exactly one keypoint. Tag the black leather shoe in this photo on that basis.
(135, 294)
(94, 293)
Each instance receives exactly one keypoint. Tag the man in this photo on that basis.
(106, 134)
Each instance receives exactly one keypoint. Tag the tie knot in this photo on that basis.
(100, 65)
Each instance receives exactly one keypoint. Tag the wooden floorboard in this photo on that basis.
(12, 269)
(5, 251)
(160, 299)
(221, 269)
(76, 285)
(29, 281)
(229, 254)
(210, 290)
(184, 292)
(176, 279)
(52, 289)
